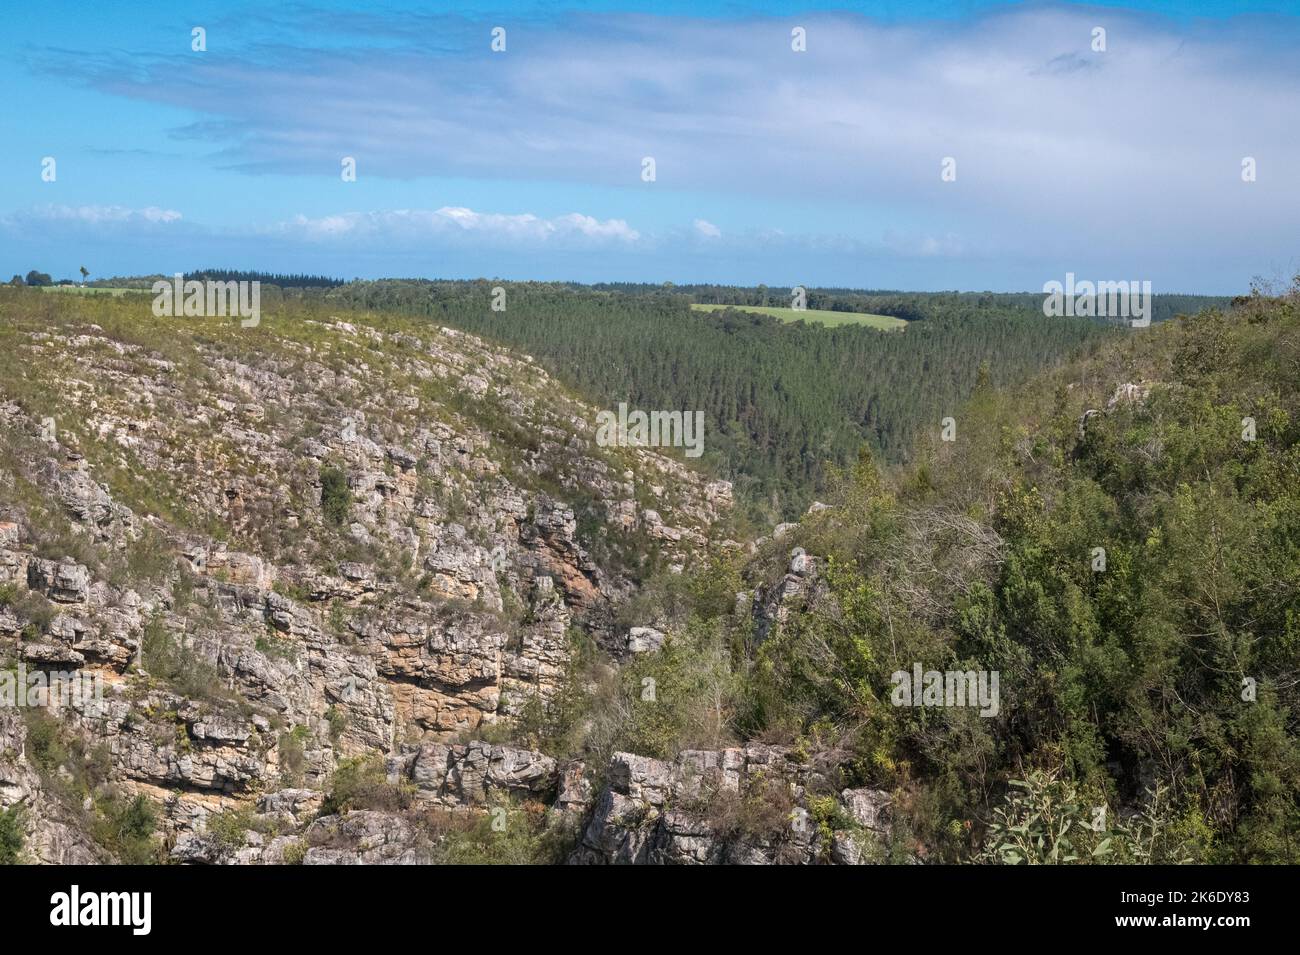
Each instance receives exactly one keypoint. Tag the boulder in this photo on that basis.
(644, 640)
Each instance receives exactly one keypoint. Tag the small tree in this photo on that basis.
(38, 278)
(335, 497)
(85, 274)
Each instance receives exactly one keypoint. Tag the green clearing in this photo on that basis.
(815, 315)
(91, 290)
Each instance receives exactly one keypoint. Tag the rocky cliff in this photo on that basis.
(315, 552)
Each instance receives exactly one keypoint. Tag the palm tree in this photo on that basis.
(84, 275)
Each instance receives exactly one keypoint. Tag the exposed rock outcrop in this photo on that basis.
(314, 569)
(746, 805)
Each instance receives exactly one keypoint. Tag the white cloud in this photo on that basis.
(706, 229)
(1062, 153)
(94, 215)
(455, 222)
(923, 245)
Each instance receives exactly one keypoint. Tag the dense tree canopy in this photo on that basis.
(781, 401)
(1117, 541)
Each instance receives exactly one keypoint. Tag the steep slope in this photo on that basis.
(285, 546)
(1099, 570)
(1114, 543)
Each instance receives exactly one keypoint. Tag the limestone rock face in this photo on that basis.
(644, 640)
(475, 773)
(361, 544)
(61, 581)
(53, 833)
(772, 602)
(870, 807)
(745, 805)
(575, 791)
(292, 805)
(364, 837)
(1127, 393)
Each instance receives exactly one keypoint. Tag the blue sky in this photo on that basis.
(820, 167)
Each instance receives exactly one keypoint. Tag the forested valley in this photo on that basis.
(781, 401)
(1107, 525)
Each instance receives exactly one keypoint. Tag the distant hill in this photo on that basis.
(279, 280)
(909, 306)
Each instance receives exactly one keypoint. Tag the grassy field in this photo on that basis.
(815, 315)
(91, 291)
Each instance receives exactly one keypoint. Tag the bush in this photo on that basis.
(45, 746)
(125, 827)
(505, 836)
(11, 835)
(170, 657)
(33, 609)
(338, 722)
(67, 765)
(273, 646)
(764, 813)
(335, 497)
(229, 828)
(295, 852)
(148, 558)
(293, 755)
(362, 783)
(1046, 820)
(682, 697)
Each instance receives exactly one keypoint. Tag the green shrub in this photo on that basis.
(45, 746)
(362, 783)
(293, 755)
(764, 813)
(68, 766)
(295, 852)
(682, 697)
(338, 722)
(125, 827)
(335, 496)
(11, 835)
(36, 610)
(1044, 819)
(170, 657)
(274, 646)
(229, 828)
(505, 835)
(148, 558)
